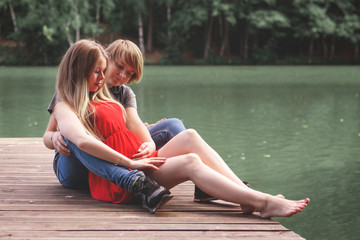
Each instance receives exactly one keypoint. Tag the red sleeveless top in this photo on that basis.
(111, 126)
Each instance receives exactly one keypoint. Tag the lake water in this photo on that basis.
(289, 130)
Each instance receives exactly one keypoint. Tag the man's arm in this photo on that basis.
(136, 126)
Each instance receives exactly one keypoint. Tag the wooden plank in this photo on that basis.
(166, 235)
(161, 217)
(142, 226)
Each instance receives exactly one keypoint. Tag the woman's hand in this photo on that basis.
(145, 150)
(148, 163)
(59, 144)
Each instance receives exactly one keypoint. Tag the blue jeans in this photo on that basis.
(72, 171)
(165, 130)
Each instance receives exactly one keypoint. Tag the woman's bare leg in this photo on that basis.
(189, 141)
(190, 167)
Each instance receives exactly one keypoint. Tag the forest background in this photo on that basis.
(38, 32)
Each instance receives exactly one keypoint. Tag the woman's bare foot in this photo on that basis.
(280, 207)
(249, 209)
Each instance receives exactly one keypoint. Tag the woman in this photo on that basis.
(71, 165)
(88, 114)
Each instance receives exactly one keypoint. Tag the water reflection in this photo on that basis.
(24, 95)
(300, 139)
(291, 130)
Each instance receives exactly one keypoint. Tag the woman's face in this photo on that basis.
(119, 73)
(98, 75)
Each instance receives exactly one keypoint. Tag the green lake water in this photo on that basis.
(289, 130)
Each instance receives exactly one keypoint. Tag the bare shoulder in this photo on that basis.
(62, 110)
(61, 106)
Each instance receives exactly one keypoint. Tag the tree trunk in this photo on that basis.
(141, 35)
(225, 44)
(68, 37)
(332, 48)
(208, 38)
(325, 48)
(220, 27)
(255, 40)
(356, 50)
(77, 37)
(149, 45)
(13, 17)
(98, 6)
(77, 34)
(168, 15)
(246, 44)
(311, 49)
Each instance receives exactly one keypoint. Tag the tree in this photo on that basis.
(149, 44)
(46, 26)
(13, 17)
(10, 5)
(347, 24)
(225, 11)
(257, 31)
(186, 15)
(261, 17)
(314, 23)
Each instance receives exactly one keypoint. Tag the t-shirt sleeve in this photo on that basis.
(52, 104)
(129, 98)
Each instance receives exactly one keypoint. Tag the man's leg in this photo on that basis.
(165, 130)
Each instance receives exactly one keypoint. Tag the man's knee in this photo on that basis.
(175, 125)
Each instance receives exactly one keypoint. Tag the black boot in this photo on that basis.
(151, 194)
(202, 197)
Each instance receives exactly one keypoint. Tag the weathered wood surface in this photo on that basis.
(33, 205)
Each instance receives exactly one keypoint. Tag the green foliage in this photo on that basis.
(268, 19)
(227, 9)
(313, 19)
(243, 31)
(48, 33)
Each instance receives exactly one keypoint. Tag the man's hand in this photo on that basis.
(59, 144)
(151, 125)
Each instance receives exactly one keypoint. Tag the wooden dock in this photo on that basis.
(33, 205)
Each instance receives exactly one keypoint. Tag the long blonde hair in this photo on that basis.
(72, 82)
(130, 52)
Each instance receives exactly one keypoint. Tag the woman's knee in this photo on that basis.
(190, 136)
(191, 133)
(192, 161)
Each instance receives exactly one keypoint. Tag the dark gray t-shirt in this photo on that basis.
(122, 94)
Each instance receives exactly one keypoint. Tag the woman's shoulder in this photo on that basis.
(60, 104)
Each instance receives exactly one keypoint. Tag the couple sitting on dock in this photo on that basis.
(103, 145)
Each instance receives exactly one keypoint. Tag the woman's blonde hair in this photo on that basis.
(129, 52)
(72, 81)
